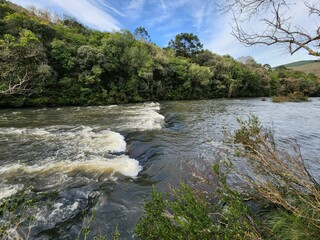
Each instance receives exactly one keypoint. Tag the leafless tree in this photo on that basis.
(23, 67)
(19, 86)
(276, 23)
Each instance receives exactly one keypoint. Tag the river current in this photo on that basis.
(106, 159)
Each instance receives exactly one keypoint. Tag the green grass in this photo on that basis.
(307, 66)
(287, 226)
(299, 63)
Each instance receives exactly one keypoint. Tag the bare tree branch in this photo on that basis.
(314, 8)
(18, 88)
(278, 29)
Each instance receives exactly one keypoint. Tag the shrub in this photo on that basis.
(190, 214)
(281, 180)
(282, 188)
(297, 97)
(279, 99)
(291, 97)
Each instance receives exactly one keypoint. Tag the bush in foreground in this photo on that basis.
(282, 180)
(287, 195)
(188, 214)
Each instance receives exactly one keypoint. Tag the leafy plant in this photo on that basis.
(17, 211)
(190, 214)
(281, 187)
(282, 180)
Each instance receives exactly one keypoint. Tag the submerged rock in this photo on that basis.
(70, 204)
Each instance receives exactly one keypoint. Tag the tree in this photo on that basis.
(186, 45)
(24, 68)
(247, 60)
(64, 55)
(92, 63)
(276, 24)
(141, 34)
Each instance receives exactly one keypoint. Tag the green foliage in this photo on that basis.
(287, 196)
(297, 97)
(190, 214)
(291, 97)
(50, 61)
(25, 70)
(287, 226)
(63, 54)
(18, 209)
(141, 34)
(249, 130)
(282, 180)
(186, 45)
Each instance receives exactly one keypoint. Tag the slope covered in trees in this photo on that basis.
(47, 61)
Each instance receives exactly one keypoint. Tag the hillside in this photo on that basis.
(299, 63)
(47, 61)
(313, 67)
(307, 66)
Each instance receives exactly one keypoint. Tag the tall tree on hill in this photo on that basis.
(141, 34)
(277, 24)
(186, 45)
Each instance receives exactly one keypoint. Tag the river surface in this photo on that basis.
(106, 159)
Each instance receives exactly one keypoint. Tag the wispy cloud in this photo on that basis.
(134, 8)
(88, 12)
(163, 5)
(202, 12)
(97, 18)
(108, 7)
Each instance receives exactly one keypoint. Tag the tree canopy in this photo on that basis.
(186, 44)
(141, 34)
(47, 61)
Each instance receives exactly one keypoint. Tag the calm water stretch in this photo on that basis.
(106, 159)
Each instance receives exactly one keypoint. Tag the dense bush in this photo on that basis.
(190, 214)
(291, 97)
(51, 61)
(284, 198)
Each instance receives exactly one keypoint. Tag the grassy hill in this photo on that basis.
(308, 66)
(299, 63)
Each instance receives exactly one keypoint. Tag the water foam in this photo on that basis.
(9, 190)
(71, 154)
(143, 117)
(99, 142)
(58, 155)
(81, 138)
(95, 167)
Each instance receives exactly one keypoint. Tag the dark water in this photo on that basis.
(106, 159)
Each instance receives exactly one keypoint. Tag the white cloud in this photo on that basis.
(89, 13)
(202, 12)
(86, 11)
(134, 8)
(163, 5)
(107, 6)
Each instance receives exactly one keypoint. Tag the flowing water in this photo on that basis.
(106, 159)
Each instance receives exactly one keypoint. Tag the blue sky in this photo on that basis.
(164, 19)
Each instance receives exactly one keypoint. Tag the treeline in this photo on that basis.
(48, 61)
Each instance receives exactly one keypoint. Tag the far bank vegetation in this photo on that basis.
(52, 61)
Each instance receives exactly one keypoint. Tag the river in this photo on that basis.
(106, 159)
